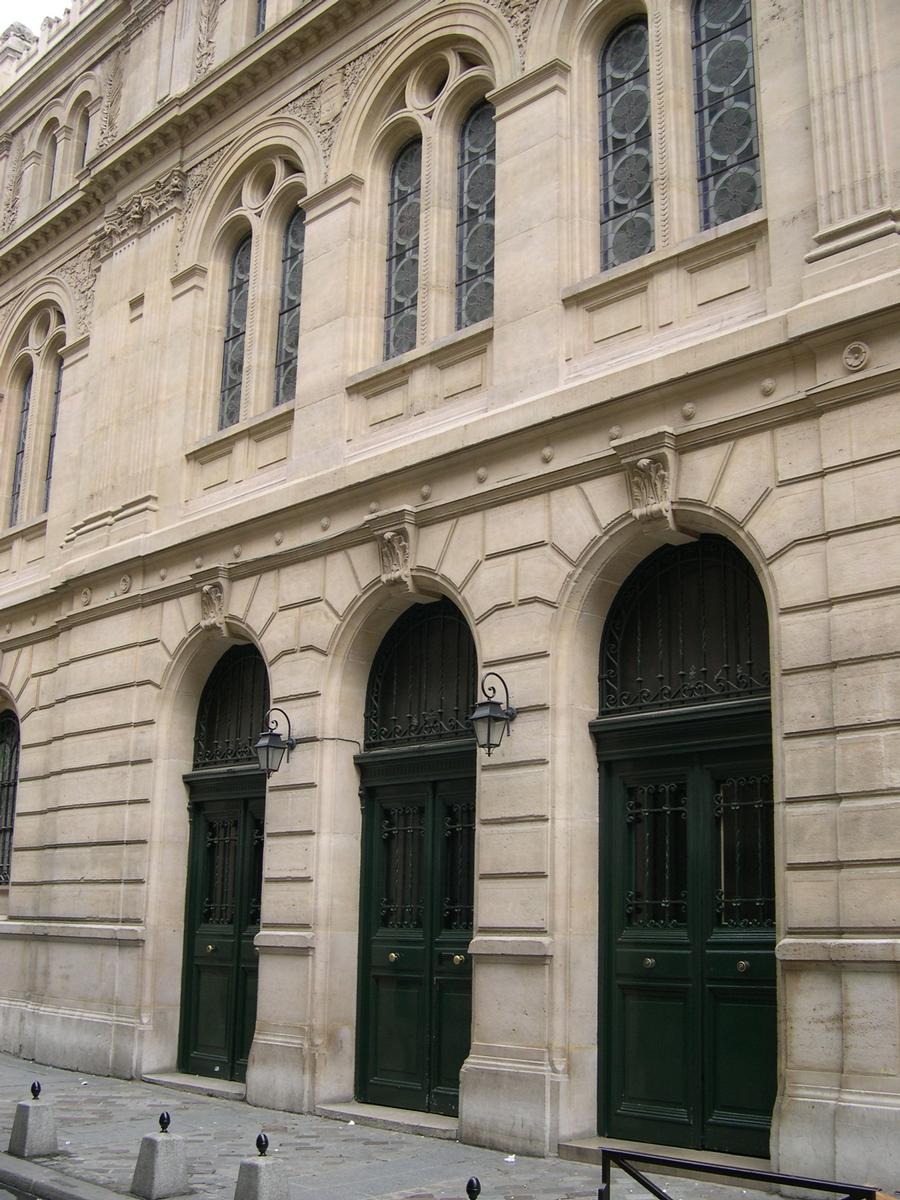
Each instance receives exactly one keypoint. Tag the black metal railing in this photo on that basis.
(625, 1160)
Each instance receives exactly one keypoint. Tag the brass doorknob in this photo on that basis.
(393, 956)
(743, 965)
(458, 960)
(210, 949)
(649, 962)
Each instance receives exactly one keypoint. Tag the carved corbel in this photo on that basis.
(650, 461)
(214, 597)
(395, 536)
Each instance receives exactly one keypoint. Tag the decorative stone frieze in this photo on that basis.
(140, 211)
(13, 185)
(194, 180)
(520, 14)
(207, 22)
(80, 274)
(650, 461)
(112, 99)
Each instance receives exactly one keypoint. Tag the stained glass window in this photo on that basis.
(235, 336)
(260, 16)
(725, 108)
(402, 290)
(475, 218)
(289, 309)
(19, 462)
(51, 439)
(626, 154)
(9, 778)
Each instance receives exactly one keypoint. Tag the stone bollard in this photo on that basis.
(34, 1127)
(161, 1168)
(261, 1178)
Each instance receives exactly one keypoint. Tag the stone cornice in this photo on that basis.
(164, 132)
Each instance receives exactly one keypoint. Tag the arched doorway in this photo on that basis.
(687, 1000)
(224, 889)
(417, 889)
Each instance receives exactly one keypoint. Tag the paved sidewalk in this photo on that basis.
(101, 1122)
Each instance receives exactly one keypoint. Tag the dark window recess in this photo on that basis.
(725, 111)
(626, 152)
(402, 284)
(475, 218)
(9, 778)
(286, 350)
(688, 627)
(422, 683)
(232, 708)
(235, 335)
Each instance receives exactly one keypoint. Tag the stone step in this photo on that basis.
(404, 1120)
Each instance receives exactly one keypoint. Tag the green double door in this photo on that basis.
(415, 991)
(688, 1022)
(223, 912)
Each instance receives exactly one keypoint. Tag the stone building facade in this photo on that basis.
(579, 366)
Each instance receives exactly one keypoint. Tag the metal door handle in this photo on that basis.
(649, 962)
(393, 956)
(458, 960)
(210, 949)
(743, 965)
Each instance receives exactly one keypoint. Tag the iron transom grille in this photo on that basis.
(689, 626)
(232, 708)
(422, 683)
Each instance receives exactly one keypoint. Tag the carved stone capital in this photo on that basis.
(140, 211)
(650, 461)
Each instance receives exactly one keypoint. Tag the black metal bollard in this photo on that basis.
(164, 1122)
(473, 1188)
(35, 1090)
(262, 1145)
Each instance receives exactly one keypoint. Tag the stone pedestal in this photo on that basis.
(161, 1168)
(261, 1179)
(34, 1130)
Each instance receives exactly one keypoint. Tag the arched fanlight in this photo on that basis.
(490, 719)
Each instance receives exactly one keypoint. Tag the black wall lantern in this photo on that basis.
(271, 745)
(490, 719)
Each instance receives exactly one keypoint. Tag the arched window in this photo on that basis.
(49, 166)
(289, 309)
(82, 132)
(231, 710)
(9, 778)
(725, 108)
(235, 335)
(475, 217)
(422, 682)
(51, 436)
(260, 16)
(19, 462)
(402, 290)
(626, 155)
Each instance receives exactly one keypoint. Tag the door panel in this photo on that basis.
(415, 928)
(690, 994)
(224, 893)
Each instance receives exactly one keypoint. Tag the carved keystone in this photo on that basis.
(650, 461)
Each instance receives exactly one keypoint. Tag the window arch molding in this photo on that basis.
(258, 195)
(428, 97)
(35, 349)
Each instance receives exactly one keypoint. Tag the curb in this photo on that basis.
(38, 1180)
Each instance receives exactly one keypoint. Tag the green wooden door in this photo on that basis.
(223, 911)
(415, 1009)
(689, 1035)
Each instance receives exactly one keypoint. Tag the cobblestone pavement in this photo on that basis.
(100, 1122)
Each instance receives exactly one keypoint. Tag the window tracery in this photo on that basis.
(475, 220)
